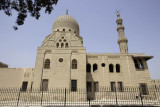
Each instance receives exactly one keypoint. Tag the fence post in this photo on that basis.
(155, 90)
(116, 96)
(42, 96)
(18, 96)
(65, 99)
(89, 101)
(89, 96)
(141, 96)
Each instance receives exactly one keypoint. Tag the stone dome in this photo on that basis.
(66, 23)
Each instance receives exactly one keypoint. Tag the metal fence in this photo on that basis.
(104, 96)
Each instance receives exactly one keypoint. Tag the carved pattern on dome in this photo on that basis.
(66, 21)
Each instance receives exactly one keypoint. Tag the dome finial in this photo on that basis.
(118, 13)
(67, 12)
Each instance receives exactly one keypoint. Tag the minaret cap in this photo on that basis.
(119, 20)
(118, 14)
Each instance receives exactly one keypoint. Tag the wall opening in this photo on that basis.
(143, 88)
(110, 67)
(88, 67)
(44, 85)
(47, 64)
(24, 86)
(74, 64)
(120, 86)
(113, 86)
(57, 45)
(73, 85)
(66, 45)
(95, 67)
(138, 64)
(117, 68)
(62, 45)
(103, 64)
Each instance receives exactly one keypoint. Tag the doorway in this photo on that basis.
(24, 86)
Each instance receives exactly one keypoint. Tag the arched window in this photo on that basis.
(117, 68)
(74, 64)
(88, 67)
(62, 45)
(47, 64)
(66, 45)
(57, 45)
(110, 67)
(95, 67)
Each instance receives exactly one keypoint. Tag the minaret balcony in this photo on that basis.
(120, 27)
(123, 40)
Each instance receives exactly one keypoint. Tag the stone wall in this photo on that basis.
(128, 75)
(13, 77)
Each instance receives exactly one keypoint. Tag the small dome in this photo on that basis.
(66, 23)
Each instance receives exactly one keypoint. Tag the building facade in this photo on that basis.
(62, 62)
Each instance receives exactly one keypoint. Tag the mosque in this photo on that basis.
(62, 62)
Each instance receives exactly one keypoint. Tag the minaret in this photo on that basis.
(122, 41)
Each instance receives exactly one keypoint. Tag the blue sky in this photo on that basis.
(97, 21)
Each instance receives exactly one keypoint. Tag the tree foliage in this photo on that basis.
(23, 7)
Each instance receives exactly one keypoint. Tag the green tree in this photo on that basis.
(23, 7)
